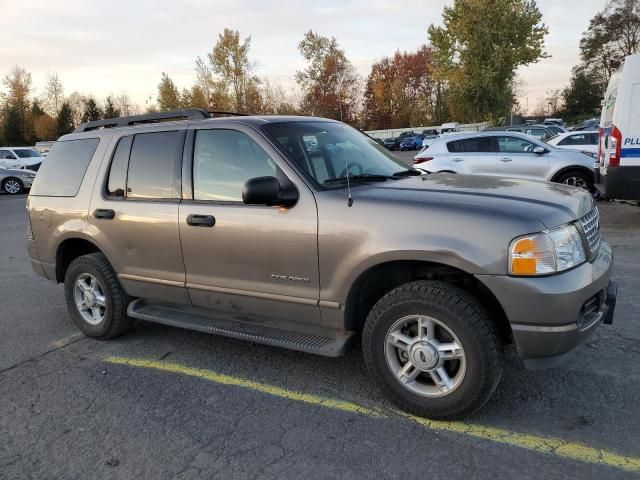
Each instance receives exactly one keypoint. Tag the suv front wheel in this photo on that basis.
(96, 301)
(432, 349)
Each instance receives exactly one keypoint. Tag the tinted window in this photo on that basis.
(6, 154)
(515, 145)
(62, 172)
(592, 139)
(151, 165)
(578, 139)
(27, 153)
(223, 160)
(117, 182)
(471, 145)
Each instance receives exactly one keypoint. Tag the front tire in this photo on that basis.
(95, 299)
(12, 186)
(576, 178)
(433, 350)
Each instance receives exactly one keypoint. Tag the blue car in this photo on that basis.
(411, 143)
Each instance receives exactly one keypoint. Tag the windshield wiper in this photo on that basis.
(359, 178)
(411, 172)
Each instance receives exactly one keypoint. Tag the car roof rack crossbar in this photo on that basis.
(189, 114)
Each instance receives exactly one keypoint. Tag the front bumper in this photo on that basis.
(550, 316)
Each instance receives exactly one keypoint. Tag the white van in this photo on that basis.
(618, 167)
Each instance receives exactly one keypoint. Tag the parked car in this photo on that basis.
(555, 129)
(428, 140)
(618, 173)
(539, 132)
(553, 121)
(584, 141)
(390, 143)
(411, 143)
(228, 226)
(25, 158)
(14, 181)
(510, 154)
(591, 124)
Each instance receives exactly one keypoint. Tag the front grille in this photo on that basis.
(591, 226)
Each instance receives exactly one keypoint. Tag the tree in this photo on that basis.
(16, 106)
(582, 95)
(110, 110)
(196, 98)
(168, 94)
(401, 92)
(65, 119)
(54, 94)
(613, 34)
(45, 127)
(91, 111)
(479, 48)
(229, 61)
(330, 82)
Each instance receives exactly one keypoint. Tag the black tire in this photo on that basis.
(462, 314)
(115, 321)
(577, 174)
(12, 179)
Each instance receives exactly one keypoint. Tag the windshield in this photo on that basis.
(325, 151)
(27, 153)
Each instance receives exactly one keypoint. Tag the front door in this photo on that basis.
(247, 262)
(516, 159)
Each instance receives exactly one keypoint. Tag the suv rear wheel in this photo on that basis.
(432, 349)
(95, 299)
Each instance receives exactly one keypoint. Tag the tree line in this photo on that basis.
(465, 72)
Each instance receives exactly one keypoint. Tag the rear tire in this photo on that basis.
(421, 323)
(12, 186)
(576, 178)
(95, 299)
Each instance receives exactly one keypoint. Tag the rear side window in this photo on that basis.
(117, 183)
(471, 145)
(62, 172)
(151, 165)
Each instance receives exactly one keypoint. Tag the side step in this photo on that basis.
(329, 346)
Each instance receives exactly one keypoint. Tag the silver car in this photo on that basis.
(14, 181)
(509, 154)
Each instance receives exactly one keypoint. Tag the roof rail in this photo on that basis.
(222, 114)
(190, 114)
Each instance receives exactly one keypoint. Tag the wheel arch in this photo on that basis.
(377, 280)
(70, 249)
(573, 168)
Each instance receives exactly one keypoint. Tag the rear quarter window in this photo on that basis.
(62, 172)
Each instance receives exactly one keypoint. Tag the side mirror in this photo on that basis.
(539, 150)
(268, 191)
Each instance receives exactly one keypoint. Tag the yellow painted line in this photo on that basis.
(536, 443)
(63, 342)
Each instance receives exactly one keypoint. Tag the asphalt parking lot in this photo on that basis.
(167, 403)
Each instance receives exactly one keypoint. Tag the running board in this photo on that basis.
(328, 346)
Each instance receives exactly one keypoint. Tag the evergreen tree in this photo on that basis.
(65, 119)
(110, 110)
(91, 110)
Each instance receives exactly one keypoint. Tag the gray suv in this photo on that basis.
(304, 233)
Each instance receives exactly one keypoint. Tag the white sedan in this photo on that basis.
(584, 141)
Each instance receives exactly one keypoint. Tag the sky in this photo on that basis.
(107, 47)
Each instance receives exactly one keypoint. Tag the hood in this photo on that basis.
(550, 203)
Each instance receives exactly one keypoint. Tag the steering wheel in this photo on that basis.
(353, 165)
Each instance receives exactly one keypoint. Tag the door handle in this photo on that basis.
(457, 159)
(201, 220)
(104, 213)
(506, 159)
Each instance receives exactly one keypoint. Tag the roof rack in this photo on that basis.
(187, 114)
(192, 114)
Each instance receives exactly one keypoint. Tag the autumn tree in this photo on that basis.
(613, 34)
(16, 106)
(45, 127)
(330, 82)
(400, 91)
(478, 49)
(53, 94)
(168, 94)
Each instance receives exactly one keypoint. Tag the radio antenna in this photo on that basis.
(346, 162)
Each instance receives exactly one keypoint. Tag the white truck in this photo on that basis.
(618, 167)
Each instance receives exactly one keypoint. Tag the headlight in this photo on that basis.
(546, 252)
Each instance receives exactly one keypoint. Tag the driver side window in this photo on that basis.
(514, 145)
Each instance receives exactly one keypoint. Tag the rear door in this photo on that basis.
(249, 262)
(473, 155)
(516, 158)
(133, 215)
